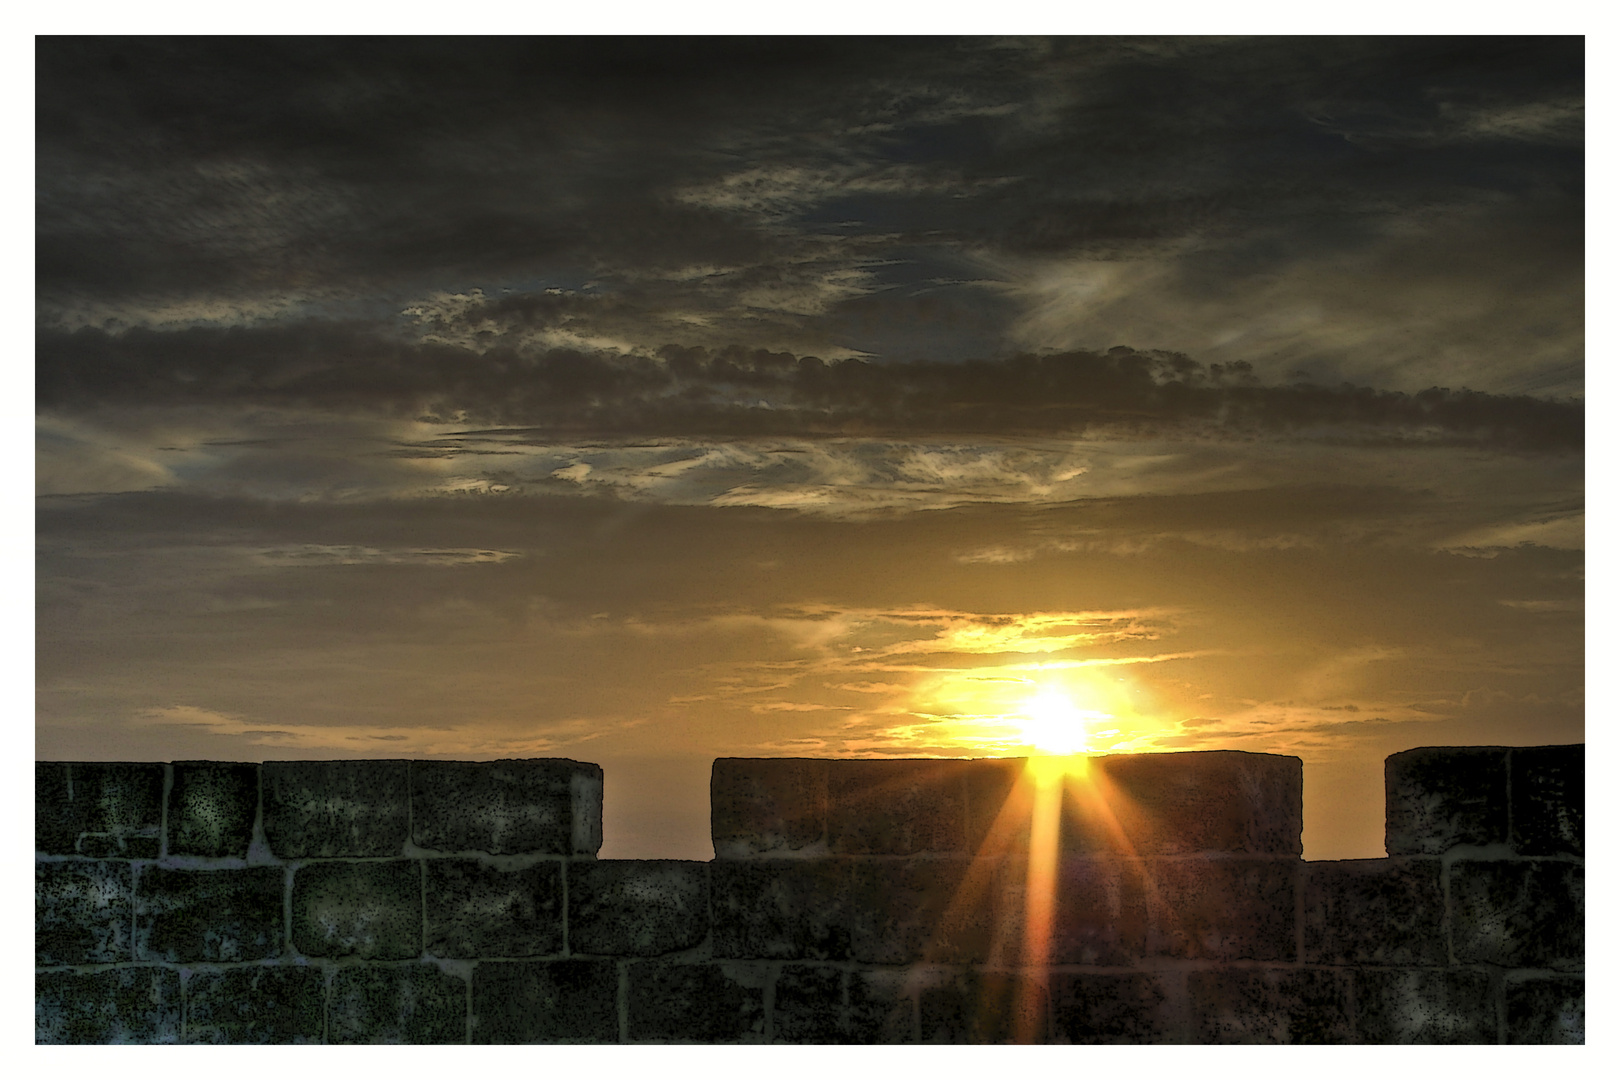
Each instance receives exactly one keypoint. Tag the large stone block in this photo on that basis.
(1439, 797)
(999, 794)
(1270, 1006)
(1221, 909)
(82, 912)
(701, 1003)
(1546, 1010)
(637, 907)
(982, 1007)
(372, 910)
(256, 1004)
(1375, 911)
(184, 916)
(1115, 1009)
(882, 1009)
(896, 807)
(1437, 1005)
(341, 809)
(546, 806)
(781, 909)
(1519, 913)
(102, 809)
(810, 1005)
(476, 910)
(56, 819)
(1187, 803)
(1549, 799)
(546, 1001)
(936, 910)
(767, 806)
(1100, 914)
(397, 1003)
(212, 805)
(117, 1005)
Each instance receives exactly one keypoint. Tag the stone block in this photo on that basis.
(1542, 1011)
(1519, 913)
(896, 807)
(637, 907)
(767, 806)
(256, 1005)
(372, 910)
(935, 910)
(1425, 1006)
(1115, 1009)
(546, 1001)
(699, 1003)
(998, 793)
(781, 909)
(116, 1005)
(882, 1009)
(212, 805)
(336, 809)
(184, 916)
(1270, 1006)
(810, 1005)
(109, 809)
(1439, 797)
(1549, 799)
(1100, 913)
(543, 806)
(1375, 911)
(1221, 909)
(1187, 803)
(476, 910)
(56, 819)
(82, 912)
(397, 1003)
(982, 1007)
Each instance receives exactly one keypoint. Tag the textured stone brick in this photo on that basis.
(82, 912)
(372, 910)
(397, 1003)
(256, 1004)
(118, 1005)
(209, 915)
(212, 805)
(545, 806)
(1549, 799)
(1114, 1009)
(882, 1009)
(327, 809)
(781, 909)
(998, 794)
(896, 807)
(637, 907)
(1518, 913)
(1270, 1006)
(1100, 914)
(56, 819)
(982, 1007)
(1547, 1011)
(1374, 911)
(938, 910)
(1186, 803)
(1438, 797)
(1425, 1006)
(701, 1003)
(1221, 909)
(810, 1005)
(110, 809)
(546, 1001)
(765, 806)
(476, 910)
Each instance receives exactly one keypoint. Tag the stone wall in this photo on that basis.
(1148, 898)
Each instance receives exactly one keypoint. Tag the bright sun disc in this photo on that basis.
(1053, 724)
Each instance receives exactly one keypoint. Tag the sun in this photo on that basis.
(1053, 724)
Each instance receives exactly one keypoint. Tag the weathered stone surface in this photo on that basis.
(1439, 797)
(1115, 1009)
(327, 809)
(1374, 911)
(765, 806)
(372, 910)
(898, 807)
(510, 807)
(938, 910)
(781, 909)
(701, 1003)
(256, 1004)
(1519, 913)
(546, 1001)
(212, 805)
(1546, 1011)
(118, 1005)
(1270, 1006)
(1185, 803)
(56, 819)
(476, 910)
(82, 912)
(1425, 1006)
(982, 1007)
(637, 907)
(810, 1005)
(1221, 909)
(999, 793)
(100, 809)
(209, 915)
(1549, 799)
(882, 1009)
(397, 1003)
(1100, 914)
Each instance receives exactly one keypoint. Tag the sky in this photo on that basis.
(645, 402)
